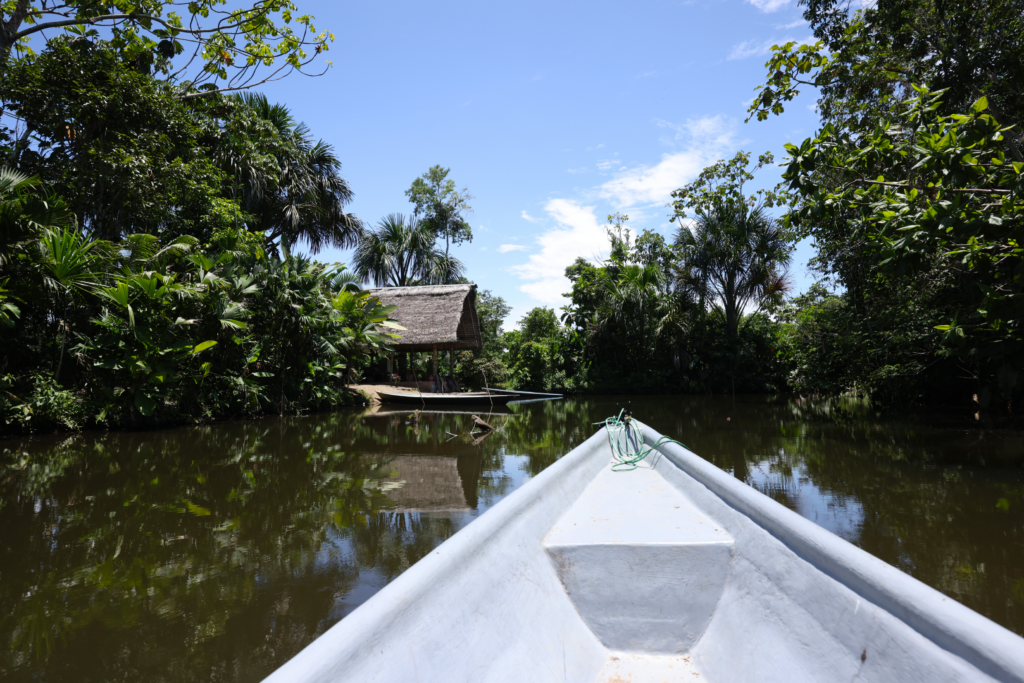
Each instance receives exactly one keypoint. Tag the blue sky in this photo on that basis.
(554, 115)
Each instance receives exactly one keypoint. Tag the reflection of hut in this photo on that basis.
(424, 483)
(436, 317)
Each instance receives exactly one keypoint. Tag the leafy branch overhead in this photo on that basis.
(923, 183)
(864, 63)
(202, 45)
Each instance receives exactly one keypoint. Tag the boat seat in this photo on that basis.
(642, 565)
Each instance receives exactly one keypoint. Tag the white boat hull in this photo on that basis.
(677, 572)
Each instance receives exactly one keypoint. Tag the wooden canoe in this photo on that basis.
(675, 571)
(528, 395)
(444, 400)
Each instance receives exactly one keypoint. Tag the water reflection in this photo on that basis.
(217, 553)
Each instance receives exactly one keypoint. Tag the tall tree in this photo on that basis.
(913, 181)
(126, 155)
(402, 252)
(735, 257)
(440, 206)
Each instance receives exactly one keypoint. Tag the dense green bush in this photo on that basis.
(135, 335)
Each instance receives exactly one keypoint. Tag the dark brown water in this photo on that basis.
(215, 554)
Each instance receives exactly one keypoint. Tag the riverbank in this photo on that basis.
(27, 419)
(371, 391)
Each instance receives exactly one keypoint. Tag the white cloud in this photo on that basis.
(798, 22)
(750, 48)
(582, 169)
(578, 233)
(707, 138)
(530, 218)
(769, 5)
(505, 248)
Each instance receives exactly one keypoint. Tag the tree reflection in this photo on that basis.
(217, 553)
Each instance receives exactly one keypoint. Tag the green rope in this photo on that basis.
(628, 443)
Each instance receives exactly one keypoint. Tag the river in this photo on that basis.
(216, 553)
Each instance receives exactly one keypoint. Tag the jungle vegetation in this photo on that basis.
(149, 219)
(147, 229)
(912, 193)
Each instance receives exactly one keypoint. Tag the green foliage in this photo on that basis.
(302, 196)
(656, 317)
(866, 61)
(734, 257)
(229, 46)
(473, 367)
(537, 355)
(538, 324)
(721, 185)
(532, 366)
(115, 144)
(131, 157)
(183, 335)
(402, 253)
(145, 244)
(46, 405)
(832, 348)
(929, 190)
(911, 191)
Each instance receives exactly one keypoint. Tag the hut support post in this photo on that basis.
(436, 383)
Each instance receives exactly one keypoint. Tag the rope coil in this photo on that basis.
(628, 443)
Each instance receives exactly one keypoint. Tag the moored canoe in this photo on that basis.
(440, 400)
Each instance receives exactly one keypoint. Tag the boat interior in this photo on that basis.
(673, 571)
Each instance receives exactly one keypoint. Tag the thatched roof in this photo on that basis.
(435, 315)
(426, 483)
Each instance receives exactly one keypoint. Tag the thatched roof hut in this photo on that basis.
(435, 316)
(420, 483)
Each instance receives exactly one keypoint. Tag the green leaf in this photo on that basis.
(980, 106)
(197, 510)
(1003, 504)
(203, 346)
(144, 403)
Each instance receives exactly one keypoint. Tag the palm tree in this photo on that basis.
(638, 312)
(401, 252)
(27, 209)
(307, 198)
(736, 257)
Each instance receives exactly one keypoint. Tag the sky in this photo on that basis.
(553, 114)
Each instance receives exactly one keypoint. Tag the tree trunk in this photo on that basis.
(9, 32)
